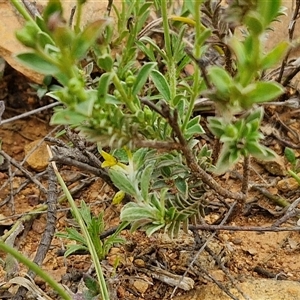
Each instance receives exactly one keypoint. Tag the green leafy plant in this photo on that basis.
(95, 226)
(148, 107)
(294, 161)
(93, 288)
(43, 89)
(239, 138)
(290, 155)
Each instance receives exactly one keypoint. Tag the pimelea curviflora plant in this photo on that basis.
(146, 108)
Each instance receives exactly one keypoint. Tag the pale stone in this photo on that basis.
(141, 286)
(276, 166)
(255, 289)
(288, 184)
(38, 160)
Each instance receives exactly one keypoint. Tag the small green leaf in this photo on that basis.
(41, 92)
(268, 10)
(220, 79)
(152, 43)
(146, 50)
(216, 126)
(231, 131)
(139, 158)
(53, 6)
(181, 106)
(153, 228)
(239, 50)
(85, 212)
(145, 181)
(182, 186)
(193, 127)
(43, 39)
(74, 248)
(227, 159)
(190, 6)
(259, 151)
(105, 62)
(144, 8)
(255, 149)
(37, 63)
(87, 37)
(103, 84)
(158, 202)
(194, 121)
(161, 84)
(137, 211)
(274, 56)
(290, 155)
(122, 182)
(67, 117)
(91, 284)
(64, 37)
(142, 77)
(205, 34)
(254, 24)
(257, 114)
(86, 108)
(166, 171)
(72, 234)
(121, 155)
(27, 35)
(261, 91)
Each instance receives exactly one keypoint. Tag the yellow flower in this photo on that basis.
(109, 160)
(118, 197)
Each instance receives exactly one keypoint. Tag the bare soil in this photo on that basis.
(140, 268)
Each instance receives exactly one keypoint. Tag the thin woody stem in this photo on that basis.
(191, 161)
(246, 172)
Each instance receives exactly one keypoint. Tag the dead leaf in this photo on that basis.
(4, 221)
(10, 21)
(29, 284)
(9, 45)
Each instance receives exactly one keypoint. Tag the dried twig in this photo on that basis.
(51, 217)
(10, 198)
(20, 188)
(31, 7)
(290, 212)
(291, 34)
(276, 199)
(167, 146)
(83, 166)
(169, 278)
(199, 173)
(268, 274)
(242, 228)
(109, 6)
(246, 173)
(24, 171)
(29, 113)
(201, 67)
(49, 230)
(194, 228)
